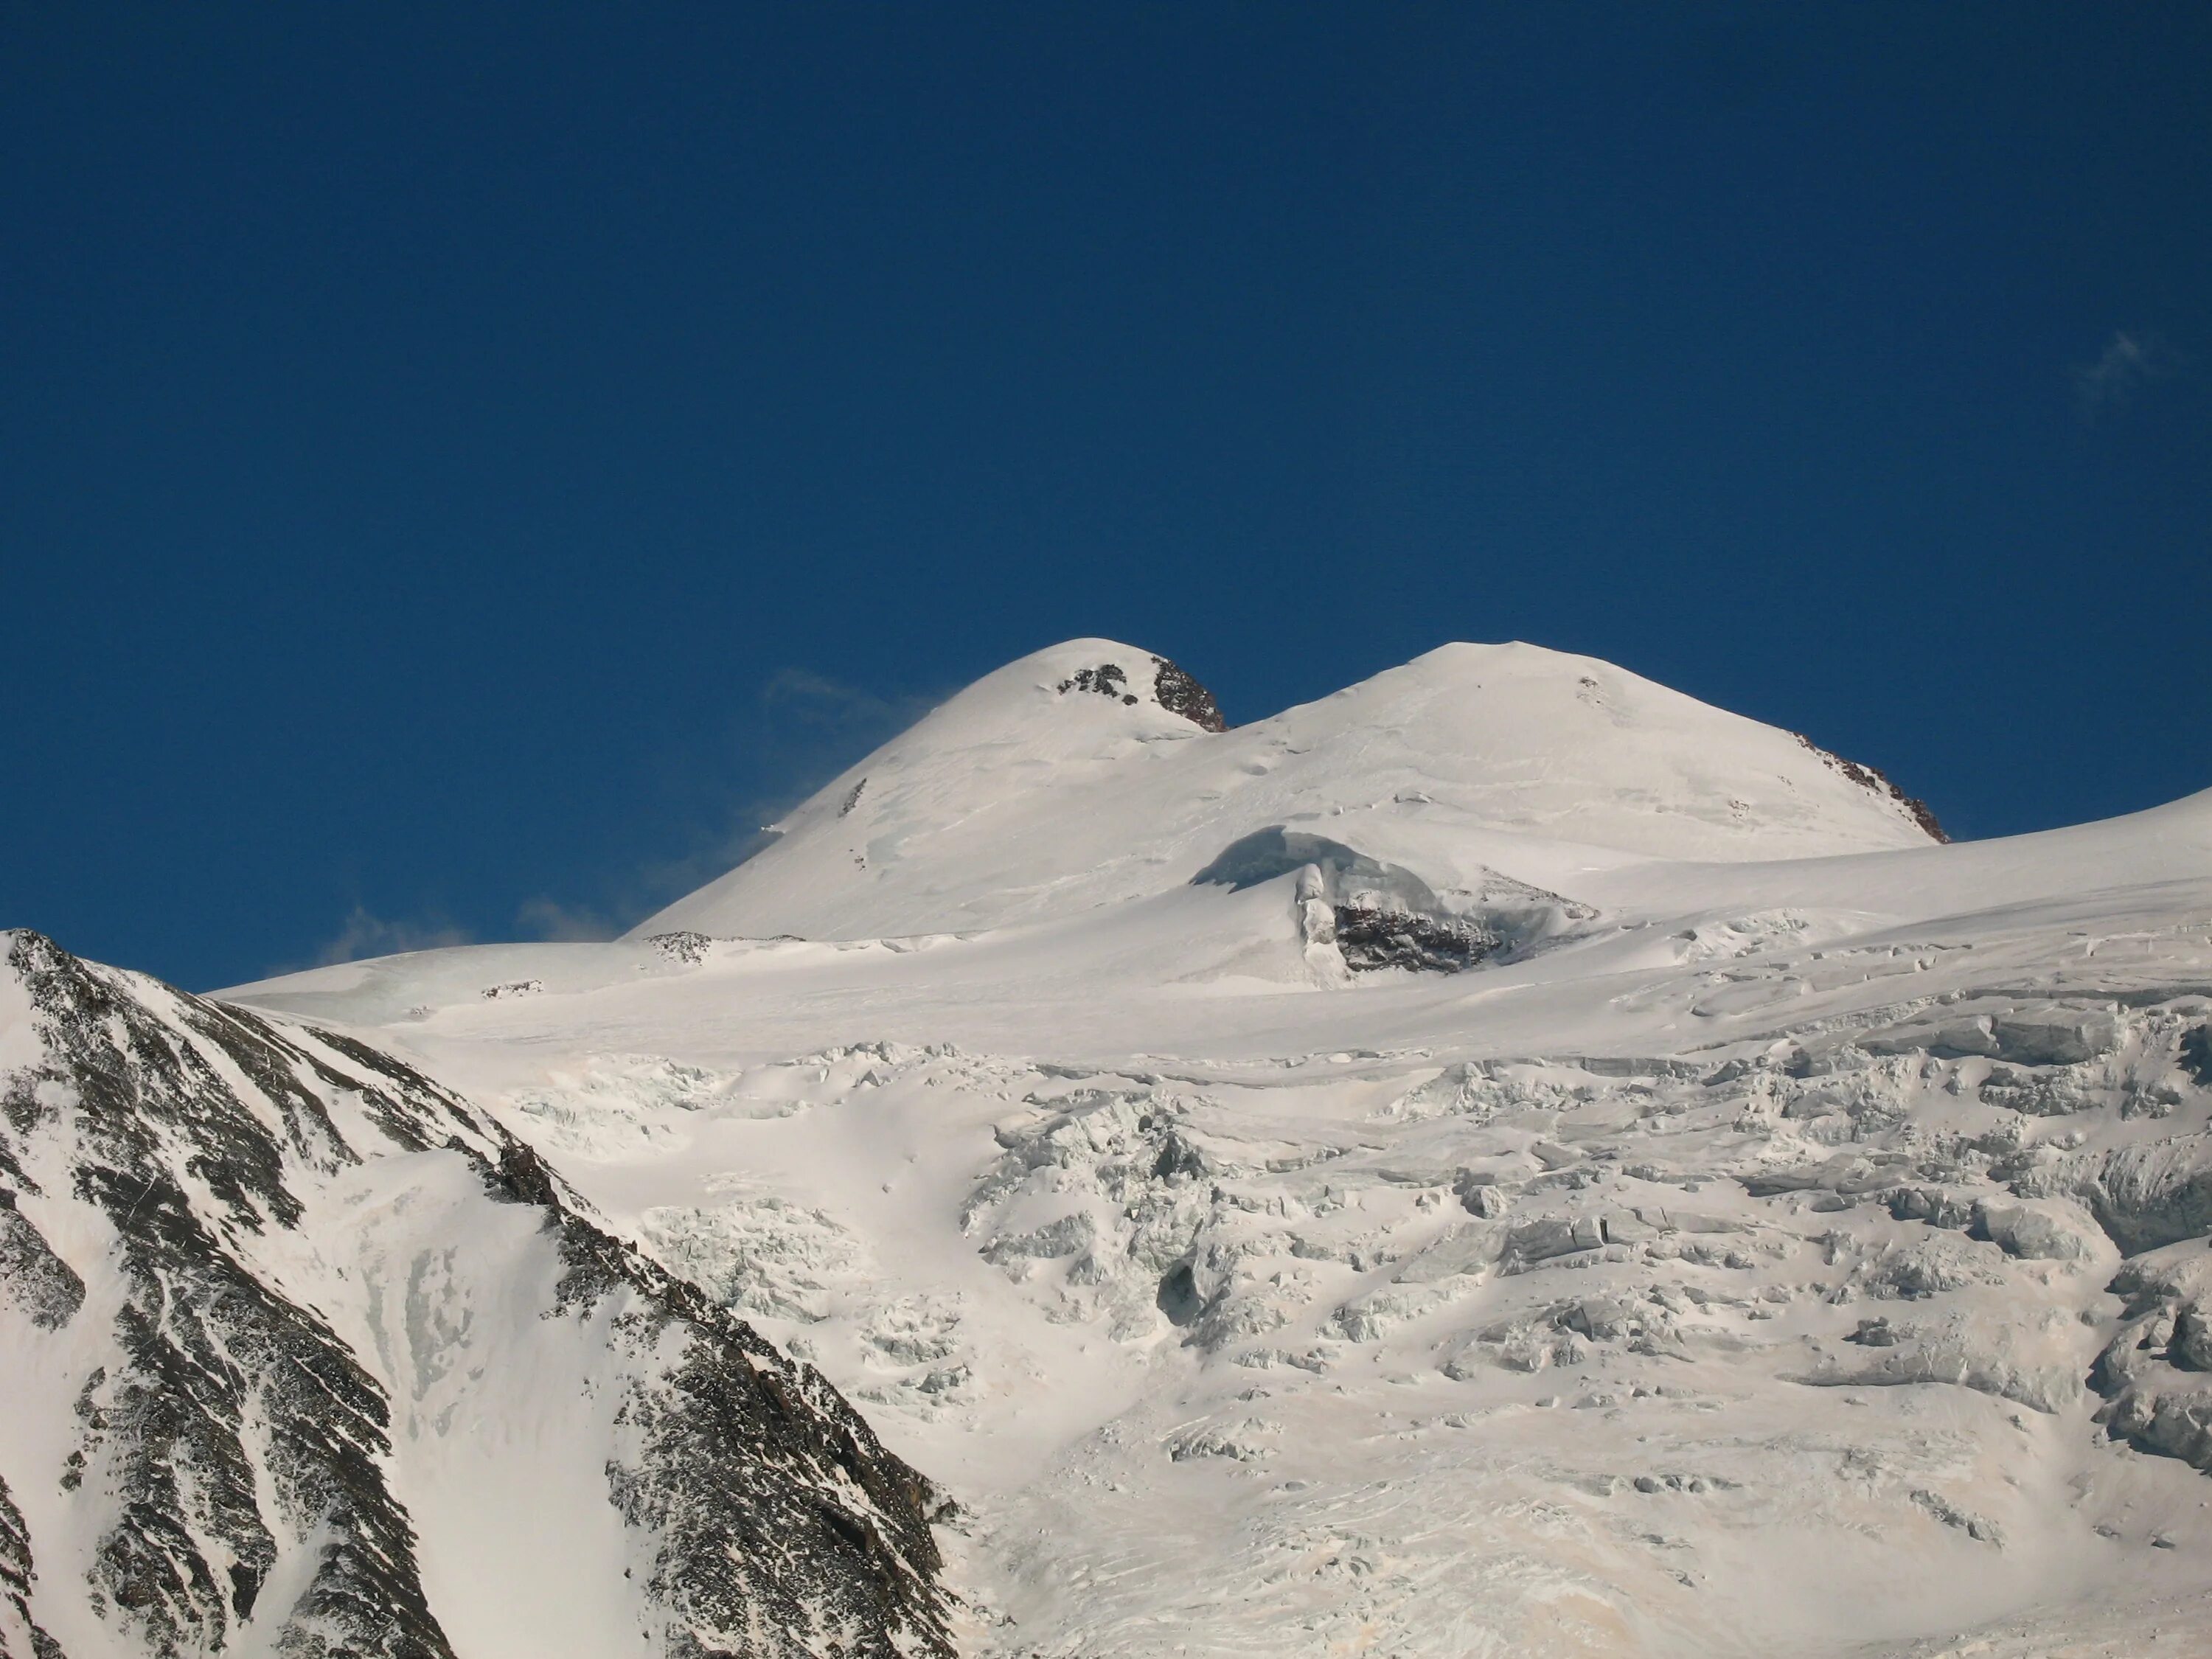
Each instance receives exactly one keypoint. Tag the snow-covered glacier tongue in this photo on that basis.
(1505, 1159)
(303, 1356)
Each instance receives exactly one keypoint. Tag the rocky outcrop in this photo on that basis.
(1875, 779)
(1179, 694)
(39, 1284)
(233, 1442)
(684, 947)
(1109, 679)
(1174, 689)
(225, 1413)
(1371, 937)
(20, 1636)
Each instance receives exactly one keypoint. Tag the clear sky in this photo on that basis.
(462, 465)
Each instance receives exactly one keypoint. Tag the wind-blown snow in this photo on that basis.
(1784, 1235)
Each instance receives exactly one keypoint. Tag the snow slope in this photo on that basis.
(1784, 1234)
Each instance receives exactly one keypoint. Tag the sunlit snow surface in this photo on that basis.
(1720, 1269)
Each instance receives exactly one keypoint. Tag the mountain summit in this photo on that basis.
(1097, 772)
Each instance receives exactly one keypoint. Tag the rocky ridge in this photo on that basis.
(1877, 782)
(234, 1372)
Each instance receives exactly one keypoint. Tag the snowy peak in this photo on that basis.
(1085, 700)
(1095, 773)
(1625, 740)
(1154, 680)
(1068, 698)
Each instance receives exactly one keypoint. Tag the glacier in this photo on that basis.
(1505, 1159)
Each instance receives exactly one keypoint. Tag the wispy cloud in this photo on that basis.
(806, 729)
(809, 707)
(798, 731)
(365, 934)
(565, 924)
(2128, 361)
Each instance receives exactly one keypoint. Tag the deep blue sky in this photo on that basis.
(460, 465)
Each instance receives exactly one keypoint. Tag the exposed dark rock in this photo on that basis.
(204, 1348)
(1371, 939)
(1178, 1159)
(1873, 778)
(32, 1276)
(853, 795)
(1179, 694)
(1108, 679)
(755, 1552)
(2190, 1349)
(20, 1635)
(1382, 916)
(1175, 691)
(684, 947)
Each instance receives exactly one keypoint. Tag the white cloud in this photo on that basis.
(2127, 362)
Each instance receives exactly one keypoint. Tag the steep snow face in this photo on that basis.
(302, 1357)
(1062, 783)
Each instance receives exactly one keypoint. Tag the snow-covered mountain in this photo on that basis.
(304, 1357)
(1505, 1159)
(1066, 781)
